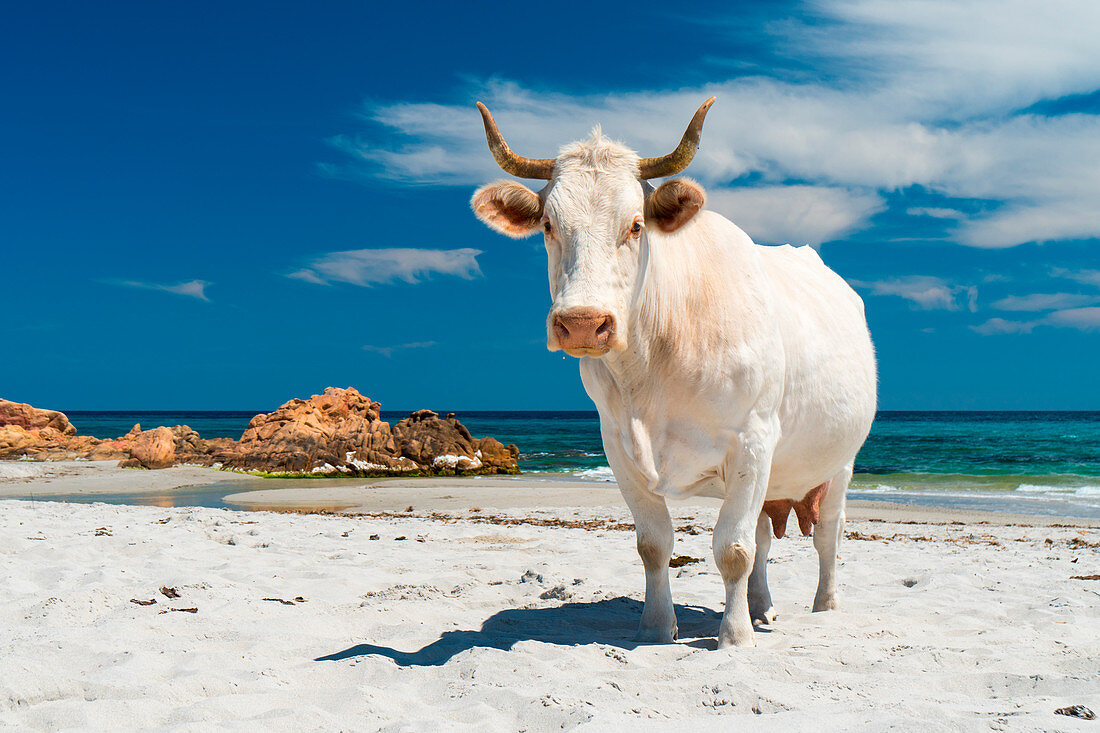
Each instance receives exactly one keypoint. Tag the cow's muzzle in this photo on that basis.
(584, 331)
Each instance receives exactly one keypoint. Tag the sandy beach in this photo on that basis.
(510, 604)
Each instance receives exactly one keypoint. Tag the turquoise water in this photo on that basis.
(1028, 462)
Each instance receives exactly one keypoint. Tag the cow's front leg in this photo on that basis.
(655, 538)
(735, 533)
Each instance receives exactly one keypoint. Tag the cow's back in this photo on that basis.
(829, 370)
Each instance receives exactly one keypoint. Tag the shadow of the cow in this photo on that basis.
(612, 621)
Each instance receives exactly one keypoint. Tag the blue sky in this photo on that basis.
(221, 206)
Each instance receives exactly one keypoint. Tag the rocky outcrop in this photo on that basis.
(154, 448)
(47, 435)
(33, 419)
(41, 434)
(445, 443)
(339, 432)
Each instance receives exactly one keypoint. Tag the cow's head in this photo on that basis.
(595, 213)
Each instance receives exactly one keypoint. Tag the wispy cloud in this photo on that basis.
(1044, 301)
(387, 351)
(935, 95)
(928, 293)
(997, 326)
(936, 212)
(367, 267)
(192, 288)
(795, 214)
(1085, 277)
(1082, 319)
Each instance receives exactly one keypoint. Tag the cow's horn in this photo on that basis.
(517, 165)
(680, 158)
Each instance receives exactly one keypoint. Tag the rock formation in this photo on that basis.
(40, 434)
(31, 418)
(339, 432)
(154, 448)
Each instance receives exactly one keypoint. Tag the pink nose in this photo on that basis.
(584, 328)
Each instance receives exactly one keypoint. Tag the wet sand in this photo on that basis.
(196, 486)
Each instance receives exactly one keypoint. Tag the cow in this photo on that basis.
(719, 367)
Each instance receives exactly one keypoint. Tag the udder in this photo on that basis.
(807, 509)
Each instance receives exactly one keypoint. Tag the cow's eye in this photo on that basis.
(636, 228)
(546, 227)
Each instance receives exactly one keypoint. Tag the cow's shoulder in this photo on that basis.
(799, 271)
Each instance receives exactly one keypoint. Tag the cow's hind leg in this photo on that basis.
(760, 597)
(655, 539)
(827, 534)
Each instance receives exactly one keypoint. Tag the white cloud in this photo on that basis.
(932, 96)
(929, 293)
(387, 351)
(192, 288)
(1044, 301)
(997, 326)
(935, 212)
(1085, 277)
(368, 267)
(1082, 319)
(794, 214)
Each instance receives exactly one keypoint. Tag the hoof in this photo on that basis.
(826, 604)
(740, 637)
(657, 636)
(765, 617)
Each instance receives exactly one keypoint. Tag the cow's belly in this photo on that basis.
(679, 461)
(810, 454)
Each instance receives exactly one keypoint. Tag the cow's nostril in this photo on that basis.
(607, 327)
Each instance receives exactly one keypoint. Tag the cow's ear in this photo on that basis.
(508, 207)
(674, 204)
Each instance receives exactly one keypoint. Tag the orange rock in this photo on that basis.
(32, 418)
(341, 430)
(154, 448)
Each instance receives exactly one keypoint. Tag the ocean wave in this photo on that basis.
(1024, 495)
(1043, 489)
(1064, 490)
(600, 473)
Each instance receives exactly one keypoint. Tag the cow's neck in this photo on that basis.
(669, 321)
(698, 291)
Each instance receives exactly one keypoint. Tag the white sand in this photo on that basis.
(18, 478)
(975, 628)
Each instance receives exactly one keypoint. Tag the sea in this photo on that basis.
(1039, 463)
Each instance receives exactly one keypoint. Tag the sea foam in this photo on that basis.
(600, 473)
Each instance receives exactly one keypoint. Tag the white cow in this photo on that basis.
(719, 367)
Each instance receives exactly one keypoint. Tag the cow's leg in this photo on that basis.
(827, 534)
(760, 598)
(655, 538)
(734, 541)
